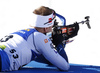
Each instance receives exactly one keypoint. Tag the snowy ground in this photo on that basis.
(17, 14)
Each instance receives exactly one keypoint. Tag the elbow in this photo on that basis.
(65, 67)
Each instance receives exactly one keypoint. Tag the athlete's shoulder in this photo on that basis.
(25, 33)
(39, 34)
(41, 37)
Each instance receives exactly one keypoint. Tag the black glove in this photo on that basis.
(57, 39)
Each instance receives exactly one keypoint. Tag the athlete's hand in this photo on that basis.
(57, 39)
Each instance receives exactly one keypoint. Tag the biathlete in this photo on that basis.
(20, 48)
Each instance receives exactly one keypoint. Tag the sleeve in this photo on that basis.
(44, 46)
(61, 51)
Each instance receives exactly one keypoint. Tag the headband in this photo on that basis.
(43, 21)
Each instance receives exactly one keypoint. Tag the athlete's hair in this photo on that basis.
(43, 11)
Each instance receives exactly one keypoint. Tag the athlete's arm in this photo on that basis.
(44, 46)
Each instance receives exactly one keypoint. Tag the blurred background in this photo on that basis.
(17, 14)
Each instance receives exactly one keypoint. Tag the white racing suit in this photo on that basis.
(21, 47)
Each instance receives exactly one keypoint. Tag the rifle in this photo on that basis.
(68, 31)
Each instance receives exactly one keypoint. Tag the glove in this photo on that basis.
(57, 39)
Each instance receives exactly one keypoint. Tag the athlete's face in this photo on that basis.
(49, 29)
